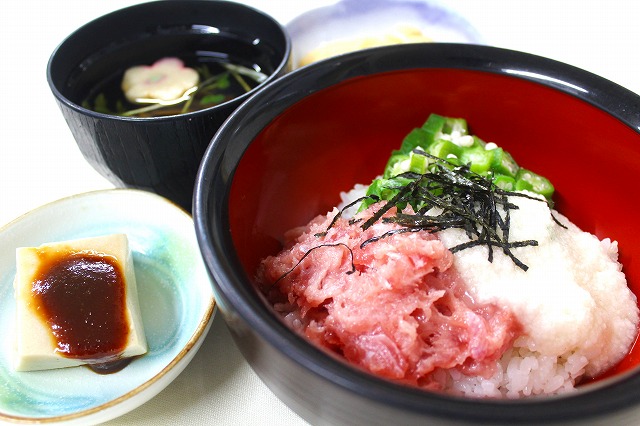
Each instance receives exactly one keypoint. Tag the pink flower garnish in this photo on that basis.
(166, 80)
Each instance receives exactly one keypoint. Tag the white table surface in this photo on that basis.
(40, 162)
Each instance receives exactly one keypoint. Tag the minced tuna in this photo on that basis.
(397, 307)
(407, 309)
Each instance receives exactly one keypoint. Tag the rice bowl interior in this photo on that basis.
(304, 154)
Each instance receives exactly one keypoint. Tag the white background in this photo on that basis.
(39, 161)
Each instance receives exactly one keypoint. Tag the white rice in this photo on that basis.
(579, 318)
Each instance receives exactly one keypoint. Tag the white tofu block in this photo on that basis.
(36, 347)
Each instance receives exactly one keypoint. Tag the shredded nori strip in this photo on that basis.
(353, 266)
(339, 214)
(464, 199)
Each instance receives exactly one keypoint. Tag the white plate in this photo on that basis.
(351, 19)
(175, 294)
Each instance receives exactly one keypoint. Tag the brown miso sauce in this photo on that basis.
(81, 296)
(110, 367)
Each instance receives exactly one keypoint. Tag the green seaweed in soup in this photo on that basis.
(168, 87)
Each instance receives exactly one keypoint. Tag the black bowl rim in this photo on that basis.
(210, 207)
(284, 62)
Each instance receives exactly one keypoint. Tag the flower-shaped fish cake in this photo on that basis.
(164, 81)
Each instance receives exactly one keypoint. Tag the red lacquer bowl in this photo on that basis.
(286, 154)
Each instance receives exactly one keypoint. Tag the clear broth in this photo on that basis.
(96, 83)
(108, 97)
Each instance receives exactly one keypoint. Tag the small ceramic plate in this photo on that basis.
(350, 19)
(175, 294)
